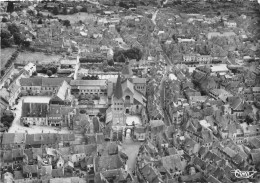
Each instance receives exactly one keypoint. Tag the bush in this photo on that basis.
(84, 9)
(110, 62)
(82, 111)
(133, 53)
(66, 23)
(40, 21)
(65, 11)
(6, 40)
(49, 73)
(96, 97)
(4, 19)
(34, 73)
(7, 120)
(10, 7)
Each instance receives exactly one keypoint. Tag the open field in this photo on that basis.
(5, 55)
(36, 57)
(72, 18)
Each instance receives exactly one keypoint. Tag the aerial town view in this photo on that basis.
(130, 91)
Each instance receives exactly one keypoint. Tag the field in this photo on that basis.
(5, 55)
(36, 57)
(72, 18)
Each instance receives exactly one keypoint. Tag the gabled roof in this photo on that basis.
(236, 103)
(31, 81)
(30, 169)
(172, 162)
(118, 90)
(110, 162)
(39, 81)
(34, 110)
(139, 80)
(127, 85)
(100, 82)
(150, 174)
(63, 90)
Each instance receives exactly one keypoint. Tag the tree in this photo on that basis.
(110, 62)
(74, 10)
(66, 23)
(4, 19)
(10, 7)
(55, 10)
(82, 111)
(40, 21)
(65, 11)
(6, 38)
(18, 38)
(49, 73)
(26, 44)
(13, 28)
(7, 120)
(84, 9)
(34, 73)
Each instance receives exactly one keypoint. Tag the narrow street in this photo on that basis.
(130, 148)
(154, 17)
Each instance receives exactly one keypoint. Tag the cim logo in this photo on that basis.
(243, 174)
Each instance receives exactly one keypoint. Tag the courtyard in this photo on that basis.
(133, 118)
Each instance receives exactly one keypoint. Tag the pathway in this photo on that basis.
(130, 148)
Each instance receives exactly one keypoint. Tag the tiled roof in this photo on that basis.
(17, 153)
(110, 162)
(43, 81)
(172, 162)
(30, 169)
(118, 89)
(31, 81)
(88, 82)
(34, 110)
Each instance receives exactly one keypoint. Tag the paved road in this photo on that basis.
(131, 148)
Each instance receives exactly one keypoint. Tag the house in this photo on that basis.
(30, 68)
(218, 34)
(7, 158)
(68, 63)
(150, 174)
(3, 105)
(13, 140)
(140, 84)
(38, 140)
(175, 164)
(110, 162)
(221, 94)
(30, 171)
(140, 133)
(230, 24)
(157, 126)
(193, 60)
(237, 105)
(35, 111)
(117, 175)
(41, 86)
(89, 87)
(57, 173)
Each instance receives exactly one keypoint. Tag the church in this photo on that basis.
(126, 100)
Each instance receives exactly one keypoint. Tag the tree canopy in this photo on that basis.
(122, 55)
(10, 7)
(6, 38)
